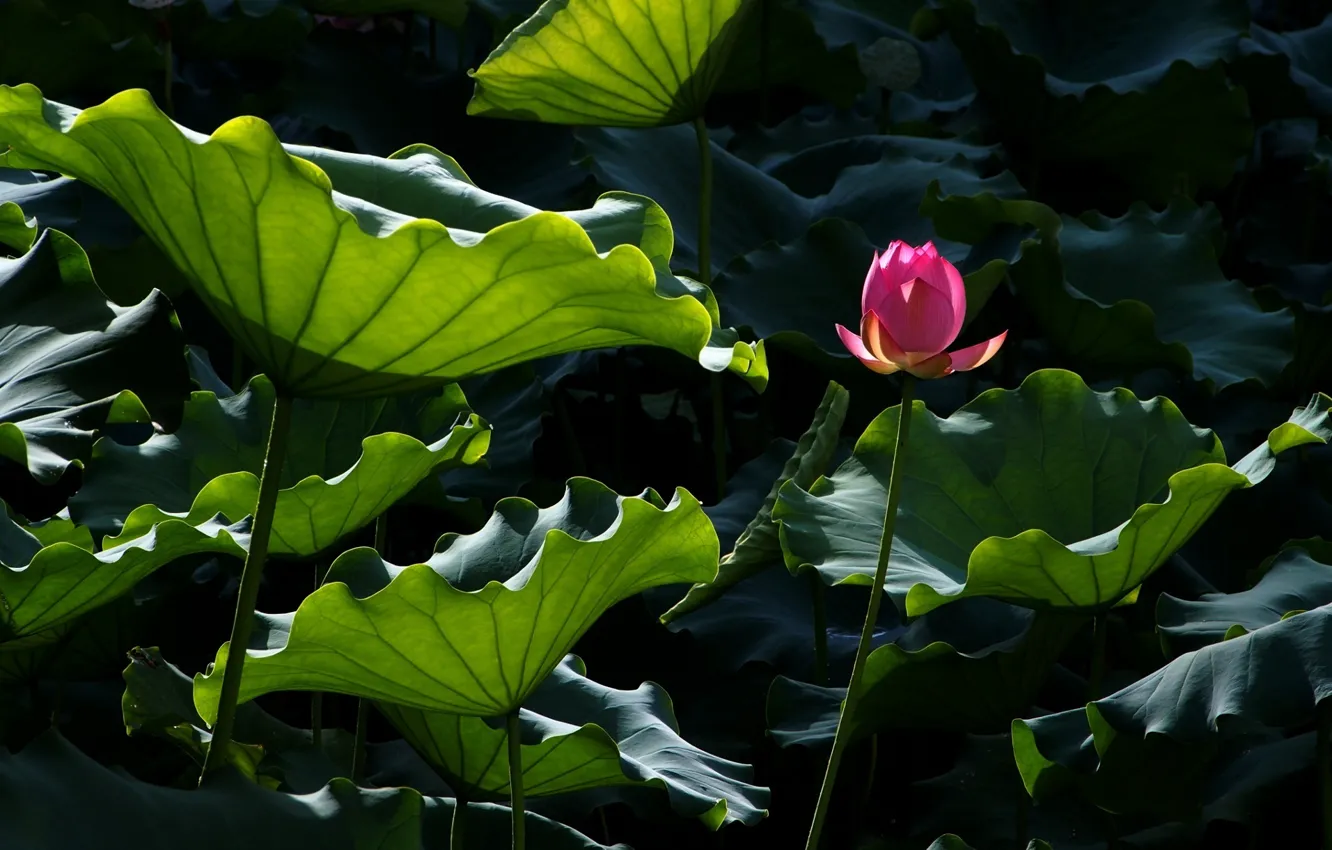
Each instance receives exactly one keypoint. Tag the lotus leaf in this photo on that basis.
(638, 64)
(1253, 686)
(477, 628)
(970, 669)
(336, 296)
(1297, 581)
(579, 734)
(332, 486)
(758, 547)
(1048, 496)
(43, 587)
(109, 808)
(70, 361)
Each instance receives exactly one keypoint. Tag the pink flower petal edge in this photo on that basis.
(966, 359)
(856, 346)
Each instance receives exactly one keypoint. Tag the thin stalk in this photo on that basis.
(1325, 769)
(516, 781)
(843, 738)
(252, 573)
(316, 697)
(571, 447)
(458, 826)
(363, 704)
(358, 749)
(818, 598)
(1098, 657)
(705, 277)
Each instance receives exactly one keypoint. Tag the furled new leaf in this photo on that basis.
(579, 734)
(626, 63)
(1047, 496)
(70, 361)
(758, 546)
(333, 295)
(479, 626)
(332, 485)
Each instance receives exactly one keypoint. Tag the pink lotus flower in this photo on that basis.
(912, 309)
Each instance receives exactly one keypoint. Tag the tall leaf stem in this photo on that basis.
(705, 276)
(853, 692)
(363, 704)
(1098, 657)
(458, 826)
(513, 733)
(270, 480)
(818, 600)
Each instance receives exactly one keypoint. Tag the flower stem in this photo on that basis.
(705, 277)
(843, 736)
(818, 599)
(270, 479)
(516, 781)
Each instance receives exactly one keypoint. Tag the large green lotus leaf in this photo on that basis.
(579, 734)
(43, 587)
(1047, 496)
(332, 295)
(421, 182)
(104, 807)
(1135, 103)
(969, 667)
(70, 361)
(1307, 51)
(1145, 289)
(1297, 581)
(478, 627)
(333, 484)
(1166, 728)
(878, 184)
(758, 547)
(624, 63)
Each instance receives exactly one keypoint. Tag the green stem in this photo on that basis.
(818, 598)
(873, 767)
(317, 718)
(842, 738)
(516, 780)
(1325, 768)
(270, 480)
(358, 748)
(458, 826)
(705, 277)
(1098, 657)
(363, 704)
(575, 452)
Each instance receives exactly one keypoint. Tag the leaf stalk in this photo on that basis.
(513, 733)
(270, 479)
(705, 276)
(842, 739)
